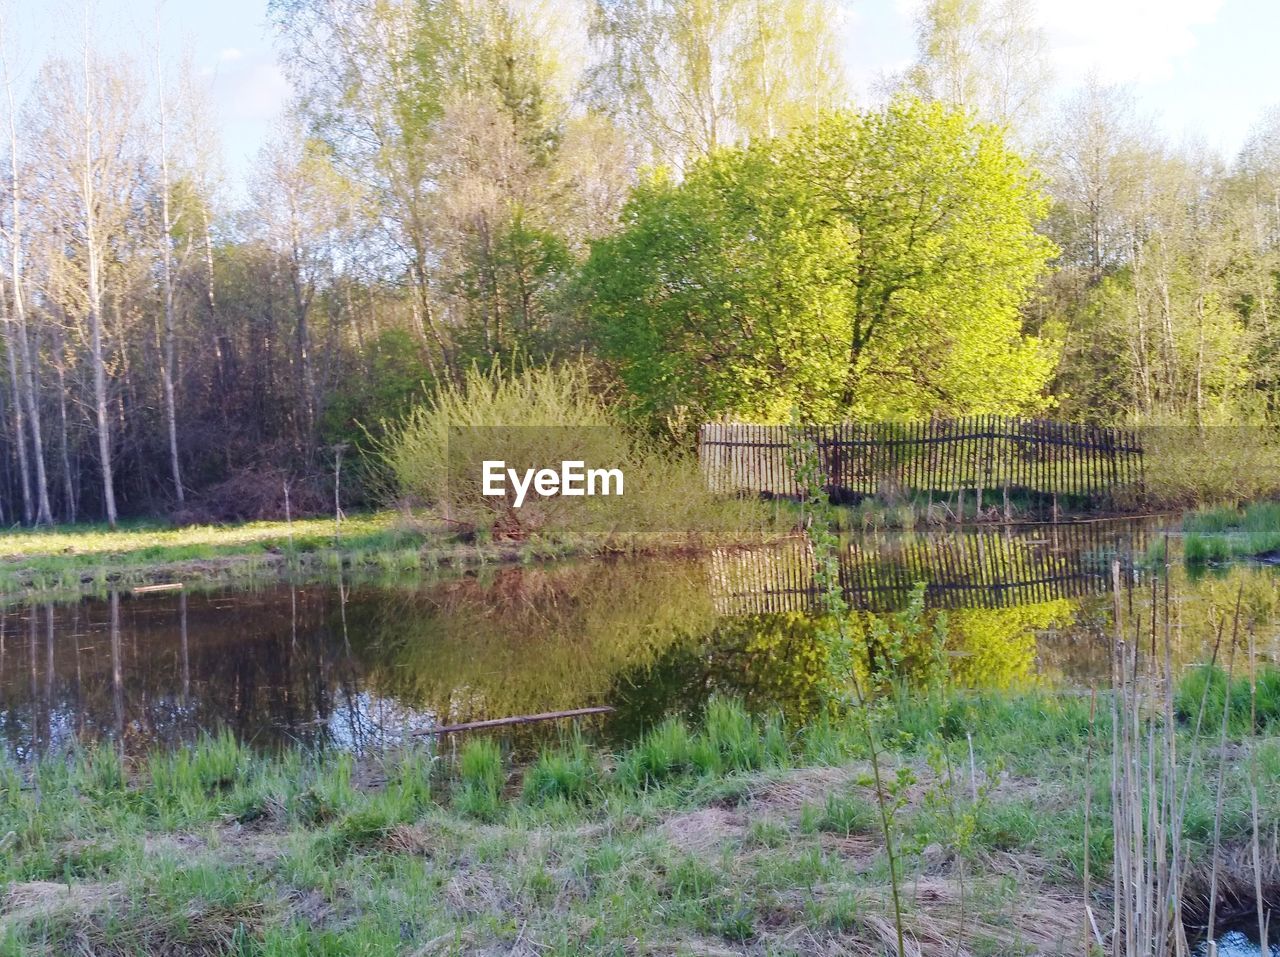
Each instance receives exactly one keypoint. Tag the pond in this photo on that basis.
(361, 665)
(1236, 943)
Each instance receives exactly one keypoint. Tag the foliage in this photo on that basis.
(537, 418)
(1164, 289)
(981, 57)
(397, 377)
(447, 167)
(1186, 466)
(799, 274)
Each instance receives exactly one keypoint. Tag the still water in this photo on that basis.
(360, 665)
(1236, 943)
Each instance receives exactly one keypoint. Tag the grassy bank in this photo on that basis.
(739, 837)
(1215, 535)
(73, 560)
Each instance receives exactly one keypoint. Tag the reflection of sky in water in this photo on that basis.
(1234, 944)
(371, 721)
(364, 667)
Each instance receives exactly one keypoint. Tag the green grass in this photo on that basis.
(73, 560)
(734, 834)
(1208, 687)
(569, 773)
(843, 814)
(1219, 534)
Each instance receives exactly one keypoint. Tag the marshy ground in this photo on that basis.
(740, 838)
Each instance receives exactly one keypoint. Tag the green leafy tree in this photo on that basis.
(866, 266)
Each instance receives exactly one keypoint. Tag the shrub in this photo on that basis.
(537, 418)
(1188, 466)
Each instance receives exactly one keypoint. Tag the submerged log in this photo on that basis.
(517, 719)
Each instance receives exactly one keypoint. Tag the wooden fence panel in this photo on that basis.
(984, 455)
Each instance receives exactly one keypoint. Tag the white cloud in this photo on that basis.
(1122, 40)
(231, 53)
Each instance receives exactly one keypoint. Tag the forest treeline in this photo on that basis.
(681, 193)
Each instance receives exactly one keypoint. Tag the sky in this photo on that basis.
(1205, 70)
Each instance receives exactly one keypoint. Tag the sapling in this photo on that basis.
(843, 686)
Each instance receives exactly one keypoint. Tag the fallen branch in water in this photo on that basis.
(518, 719)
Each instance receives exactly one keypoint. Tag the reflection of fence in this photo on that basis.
(981, 569)
(986, 452)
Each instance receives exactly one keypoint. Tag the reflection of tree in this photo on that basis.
(528, 639)
(772, 662)
(282, 665)
(159, 670)
(775, 661)
(996, 647)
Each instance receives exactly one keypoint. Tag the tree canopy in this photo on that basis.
(865, 266)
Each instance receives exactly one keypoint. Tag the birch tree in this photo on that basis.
(168, 361)
(984, 56)
(20, 345)
(686, 77)
(85, 117)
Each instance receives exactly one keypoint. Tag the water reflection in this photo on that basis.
(154, 671)
(983, 568)
(1236, 944)
(360, 666)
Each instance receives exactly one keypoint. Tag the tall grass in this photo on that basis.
(570, 772)
(1155, 818)
(1250, 705)
(482, 773)
(536, 418)
(1216, 535)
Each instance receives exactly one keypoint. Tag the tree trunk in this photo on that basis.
(19, 429)
(28, 359)
(302, 332)
(44, 515)
(68, 486)
(166, 274)
(94, 291)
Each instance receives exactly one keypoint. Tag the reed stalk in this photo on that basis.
(1146, 816)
